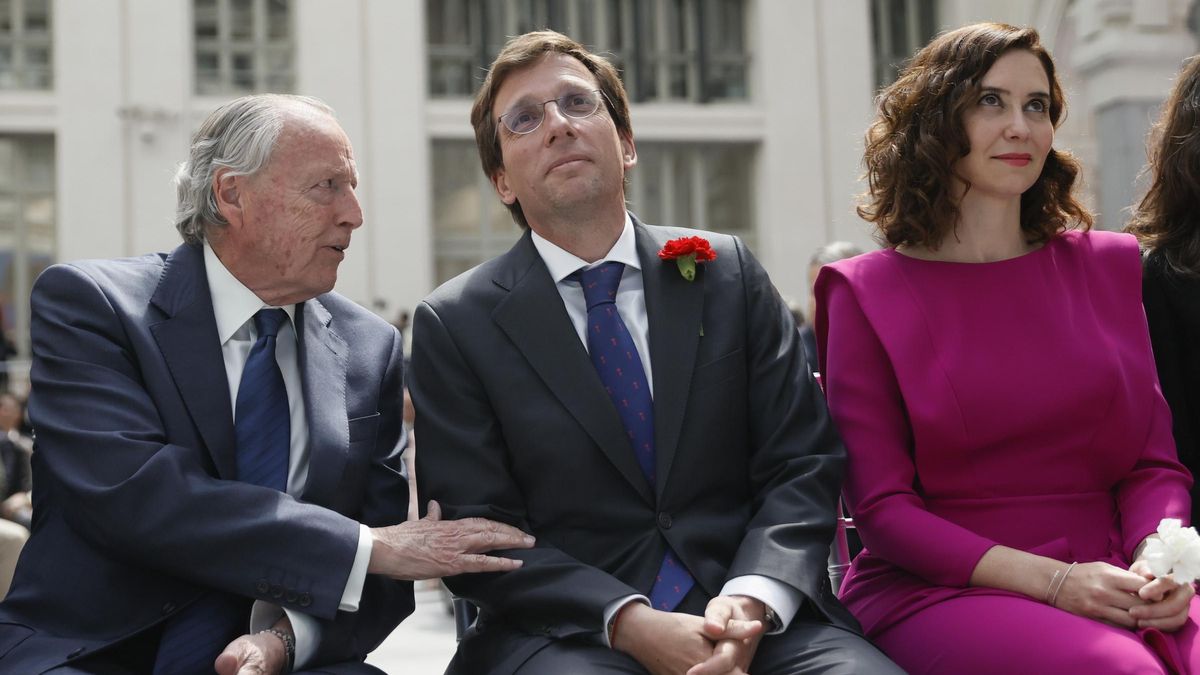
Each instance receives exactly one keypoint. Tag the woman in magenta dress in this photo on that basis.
(991, 374)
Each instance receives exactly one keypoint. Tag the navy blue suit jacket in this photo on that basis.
(136, 506)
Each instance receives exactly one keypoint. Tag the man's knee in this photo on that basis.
(811, 648)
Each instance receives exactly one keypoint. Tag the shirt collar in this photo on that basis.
(233, 303)
(563, 264)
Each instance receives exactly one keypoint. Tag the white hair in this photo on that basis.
(239, 136)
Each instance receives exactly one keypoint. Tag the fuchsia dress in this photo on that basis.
(1015, 403)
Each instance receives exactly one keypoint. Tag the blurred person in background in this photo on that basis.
(829, 253)
(1010, 455)
(16, 507)
(1167, 223)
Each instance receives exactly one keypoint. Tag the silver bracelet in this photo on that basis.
(289, 645)
(1063, 580)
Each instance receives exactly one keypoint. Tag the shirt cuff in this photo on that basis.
(780, 597)
(305, 628)
(358, 574)
(610, 612)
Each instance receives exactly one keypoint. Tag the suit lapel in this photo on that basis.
(323, 358)
(674, 308)
(191, 348)
(535, 320)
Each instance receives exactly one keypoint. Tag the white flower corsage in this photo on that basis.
(1175, 552)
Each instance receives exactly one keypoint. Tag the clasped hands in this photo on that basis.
(722, 642)
(1131, 599)
(429, 548)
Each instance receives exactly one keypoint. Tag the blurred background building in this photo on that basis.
(748, 114)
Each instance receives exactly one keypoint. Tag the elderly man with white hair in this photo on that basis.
(218, 465)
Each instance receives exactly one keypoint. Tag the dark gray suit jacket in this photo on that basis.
(136, 512)
(513, 424)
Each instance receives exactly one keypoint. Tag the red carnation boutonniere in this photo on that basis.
(686, 252)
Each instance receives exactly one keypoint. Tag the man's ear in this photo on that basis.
(227, 189)
(628, 151)
(500, 182)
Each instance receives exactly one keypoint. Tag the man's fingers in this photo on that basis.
(469, 563)
(723, 659)
(488, 535)
(742, 629)
(434, 512)
(716, 619)
(226, 663)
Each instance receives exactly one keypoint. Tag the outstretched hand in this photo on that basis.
(431, 548)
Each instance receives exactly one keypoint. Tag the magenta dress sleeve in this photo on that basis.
(1157, 485)
(866, 404)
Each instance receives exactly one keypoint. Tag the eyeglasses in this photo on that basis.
(577, 105)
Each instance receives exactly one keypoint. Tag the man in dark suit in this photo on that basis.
(218, 434)
(659, 434)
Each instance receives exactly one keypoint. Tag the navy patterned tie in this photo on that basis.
(192, 640)
(616, 359)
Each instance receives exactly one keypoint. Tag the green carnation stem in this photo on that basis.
(687, 266)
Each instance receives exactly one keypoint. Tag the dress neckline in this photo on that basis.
(893, 253)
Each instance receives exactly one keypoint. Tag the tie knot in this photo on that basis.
(600, 283)
(268, 321)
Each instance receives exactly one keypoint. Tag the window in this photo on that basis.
(25, 45)
(471, 224)
(243, 46)
(707, 186)
(899, 28)
(694, 50)
(27, 226)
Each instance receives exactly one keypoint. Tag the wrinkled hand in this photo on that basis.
(665, 643)
(431, 548)
(258, 654)
(1167, 602)
(735, 622)
(1103, 592)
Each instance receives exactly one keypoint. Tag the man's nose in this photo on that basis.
(555, 123)
(351, 210)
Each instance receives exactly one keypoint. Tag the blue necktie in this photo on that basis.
(616, 359)
(192, 640)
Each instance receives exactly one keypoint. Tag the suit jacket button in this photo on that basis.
(76, 652)
(292, 597)
(664, 520)
(168, 607)
(305, 600)
(262, 587)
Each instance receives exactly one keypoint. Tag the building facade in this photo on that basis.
(748, 114)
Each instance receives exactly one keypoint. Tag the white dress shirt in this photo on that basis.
(234, 307)
(783, 600)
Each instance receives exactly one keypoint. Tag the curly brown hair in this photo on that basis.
(918, 135)
(521, 52)
(1165, 221)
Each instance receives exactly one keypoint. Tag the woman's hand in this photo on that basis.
(1166, 603)
(1100, 591)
